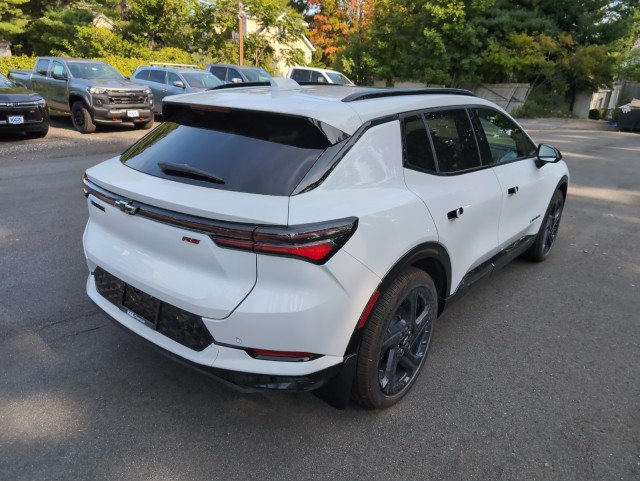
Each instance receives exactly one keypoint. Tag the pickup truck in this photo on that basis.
(93, 92)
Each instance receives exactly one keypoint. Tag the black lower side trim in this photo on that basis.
(498, 261)
(250, 382)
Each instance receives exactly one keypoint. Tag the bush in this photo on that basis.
(16, 62)
(125, 66)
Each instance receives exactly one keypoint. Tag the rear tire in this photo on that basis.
(548, 232)
(81, 118)
(396, 340)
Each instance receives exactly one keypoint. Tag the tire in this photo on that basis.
(144, 125)
(548, 232)
(37, 134)
(396, 340)
(81, 118)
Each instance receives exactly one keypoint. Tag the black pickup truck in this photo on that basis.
(94, 92)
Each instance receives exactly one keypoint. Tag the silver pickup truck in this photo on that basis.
(94, 92)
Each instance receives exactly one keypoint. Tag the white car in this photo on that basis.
(318, 75)
(307, 238)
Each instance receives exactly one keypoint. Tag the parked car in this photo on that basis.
(22, 110)
(93, 92)
(238, 73)
(173, 79)
(629, 116)
(309, 241)
(319, 75)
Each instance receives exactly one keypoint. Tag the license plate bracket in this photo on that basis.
(133, 113)
(16, 119)
(141, 306)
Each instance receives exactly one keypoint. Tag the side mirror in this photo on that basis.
(547, 154)
(178, 83)
(59, 76)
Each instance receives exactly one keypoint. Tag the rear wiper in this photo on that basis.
(186, 170)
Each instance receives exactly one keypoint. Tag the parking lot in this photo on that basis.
(534, 375)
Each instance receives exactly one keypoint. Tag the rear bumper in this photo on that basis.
(248, 382)
(233, 366)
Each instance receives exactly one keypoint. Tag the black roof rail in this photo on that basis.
(241, 84)
(399, 92)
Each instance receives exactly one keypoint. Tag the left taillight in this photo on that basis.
(315, 243)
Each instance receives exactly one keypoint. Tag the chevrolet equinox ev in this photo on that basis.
(305, 238)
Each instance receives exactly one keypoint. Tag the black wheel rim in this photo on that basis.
(406, 342)
(78, 118)
(553, 224)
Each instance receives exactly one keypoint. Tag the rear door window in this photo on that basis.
(419, 153)
(142, 75)
(453, 140)
(300, 75)
(42, 66)
(157, 76)
(241, 151)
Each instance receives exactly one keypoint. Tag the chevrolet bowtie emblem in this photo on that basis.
(126, 206)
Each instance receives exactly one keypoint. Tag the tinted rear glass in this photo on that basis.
(252, 152)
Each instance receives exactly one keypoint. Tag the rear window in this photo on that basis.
(248, 151)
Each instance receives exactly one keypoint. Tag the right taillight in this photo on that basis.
(314, 243)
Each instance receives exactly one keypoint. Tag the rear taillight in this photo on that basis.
(314, 243)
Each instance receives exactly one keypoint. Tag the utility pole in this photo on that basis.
(241, 31)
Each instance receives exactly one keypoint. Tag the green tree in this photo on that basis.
(158, 22)
(51, 33)
(13, 20)
(629, 48)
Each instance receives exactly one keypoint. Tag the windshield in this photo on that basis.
(201, 80)
(93, 70)
(256, 75)
(338, 78)
(5, 82)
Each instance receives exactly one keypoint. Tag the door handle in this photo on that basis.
(455, 213)
(513, 190)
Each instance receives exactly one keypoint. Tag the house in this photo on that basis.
(281, 52)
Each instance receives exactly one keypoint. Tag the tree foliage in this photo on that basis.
(12, 18)
(561, 46)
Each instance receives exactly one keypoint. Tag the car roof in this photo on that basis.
(343, 107)
(173, 69)
(317, 69)
(71, 59)
(240, 67)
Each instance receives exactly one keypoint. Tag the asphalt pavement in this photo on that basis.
(533, 375)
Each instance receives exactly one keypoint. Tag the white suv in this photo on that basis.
(307, 238)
